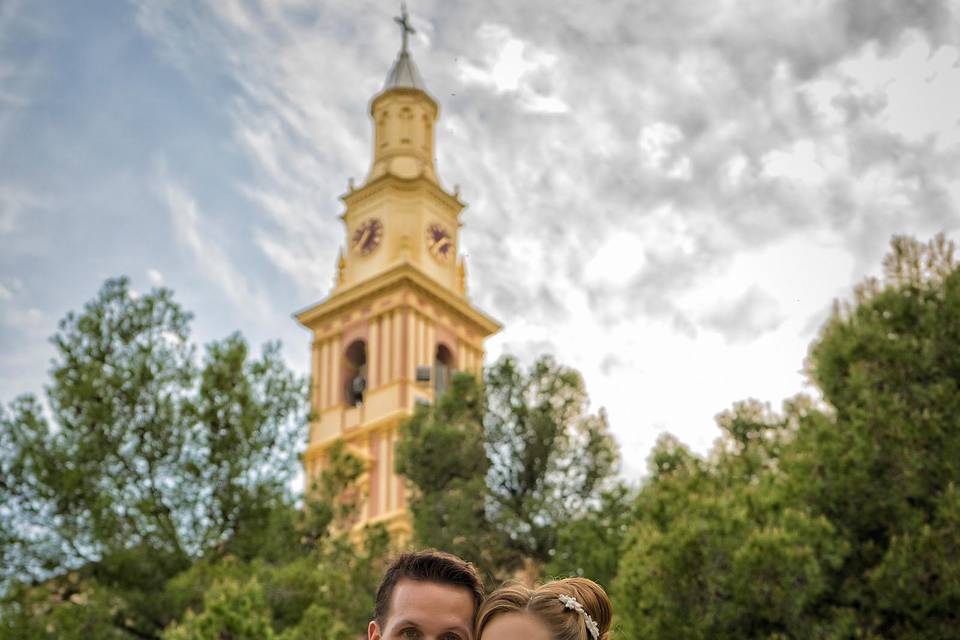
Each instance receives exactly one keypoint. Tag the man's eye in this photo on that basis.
(410, 634)
(451, 636)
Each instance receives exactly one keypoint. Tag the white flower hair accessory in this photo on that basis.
(572, 603)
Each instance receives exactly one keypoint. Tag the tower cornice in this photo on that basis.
(402, 274)
(413, 92)
(388, 180)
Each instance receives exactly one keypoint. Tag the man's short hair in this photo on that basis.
(428, 565)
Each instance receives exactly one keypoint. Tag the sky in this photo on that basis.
(666, 195)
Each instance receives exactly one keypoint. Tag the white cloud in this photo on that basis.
(18, 79)
(799, 163)
(155, 277)
(916, 90)
(298, 137)
(203, 243)
(14, 202)
(507, 60)
(619, 256)
(657, 143)
(511, 65)
(30, 322)
(745, 318)
(665, 196)
(24, 333)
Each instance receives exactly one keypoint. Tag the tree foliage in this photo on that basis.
(160, 485)
(590, 545)
(718, 552)
(146, 449)
(153, 502)
(500, 469)
(830, 521)
(441, 454)
(233, 610)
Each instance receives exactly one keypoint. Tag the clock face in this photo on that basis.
(439, 242)
(367, 236)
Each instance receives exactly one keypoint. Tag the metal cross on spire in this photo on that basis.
(404, 22)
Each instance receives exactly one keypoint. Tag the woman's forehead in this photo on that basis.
(515, 625)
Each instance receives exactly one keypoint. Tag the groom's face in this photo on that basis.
(426, 611)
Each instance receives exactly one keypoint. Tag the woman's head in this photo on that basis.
(568, 609)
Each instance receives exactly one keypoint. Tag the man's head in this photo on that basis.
(427, 595)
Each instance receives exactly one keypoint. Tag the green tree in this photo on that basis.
(69, 607)
(830, 521)
(151, 460)
(231, 611)
(333, 502)
(717, 552)
(441, 452)
(884, 468)
(342, 571)
(500, 468)
(550, 458)
(330, 580)
(591, 544)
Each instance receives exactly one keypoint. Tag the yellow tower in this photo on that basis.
(398, 322)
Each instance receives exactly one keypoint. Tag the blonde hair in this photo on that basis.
(544, 603)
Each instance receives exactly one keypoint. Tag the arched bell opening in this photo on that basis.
(442, 370)
(355, 373)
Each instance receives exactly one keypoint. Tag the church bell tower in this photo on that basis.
(398, 323)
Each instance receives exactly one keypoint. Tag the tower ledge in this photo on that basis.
(404, 273)
(389, 180)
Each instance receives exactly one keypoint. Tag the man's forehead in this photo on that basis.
(422, 601)
(408, 589)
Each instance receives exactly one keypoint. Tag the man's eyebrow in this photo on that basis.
(407, 623)
(457, 628)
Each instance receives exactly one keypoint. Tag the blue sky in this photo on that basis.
(93, 118)
(666, 195)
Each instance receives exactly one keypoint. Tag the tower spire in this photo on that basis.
(404, 115)
(404, 73)
(404, 21)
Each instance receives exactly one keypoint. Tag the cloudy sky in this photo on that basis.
(667, 195)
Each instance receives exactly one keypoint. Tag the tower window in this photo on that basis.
(406, 125)
(355, 373)
(443, 370)
(382, 128)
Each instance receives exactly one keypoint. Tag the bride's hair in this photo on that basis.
(551, 604)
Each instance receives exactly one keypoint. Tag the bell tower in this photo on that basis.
(398, 322)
